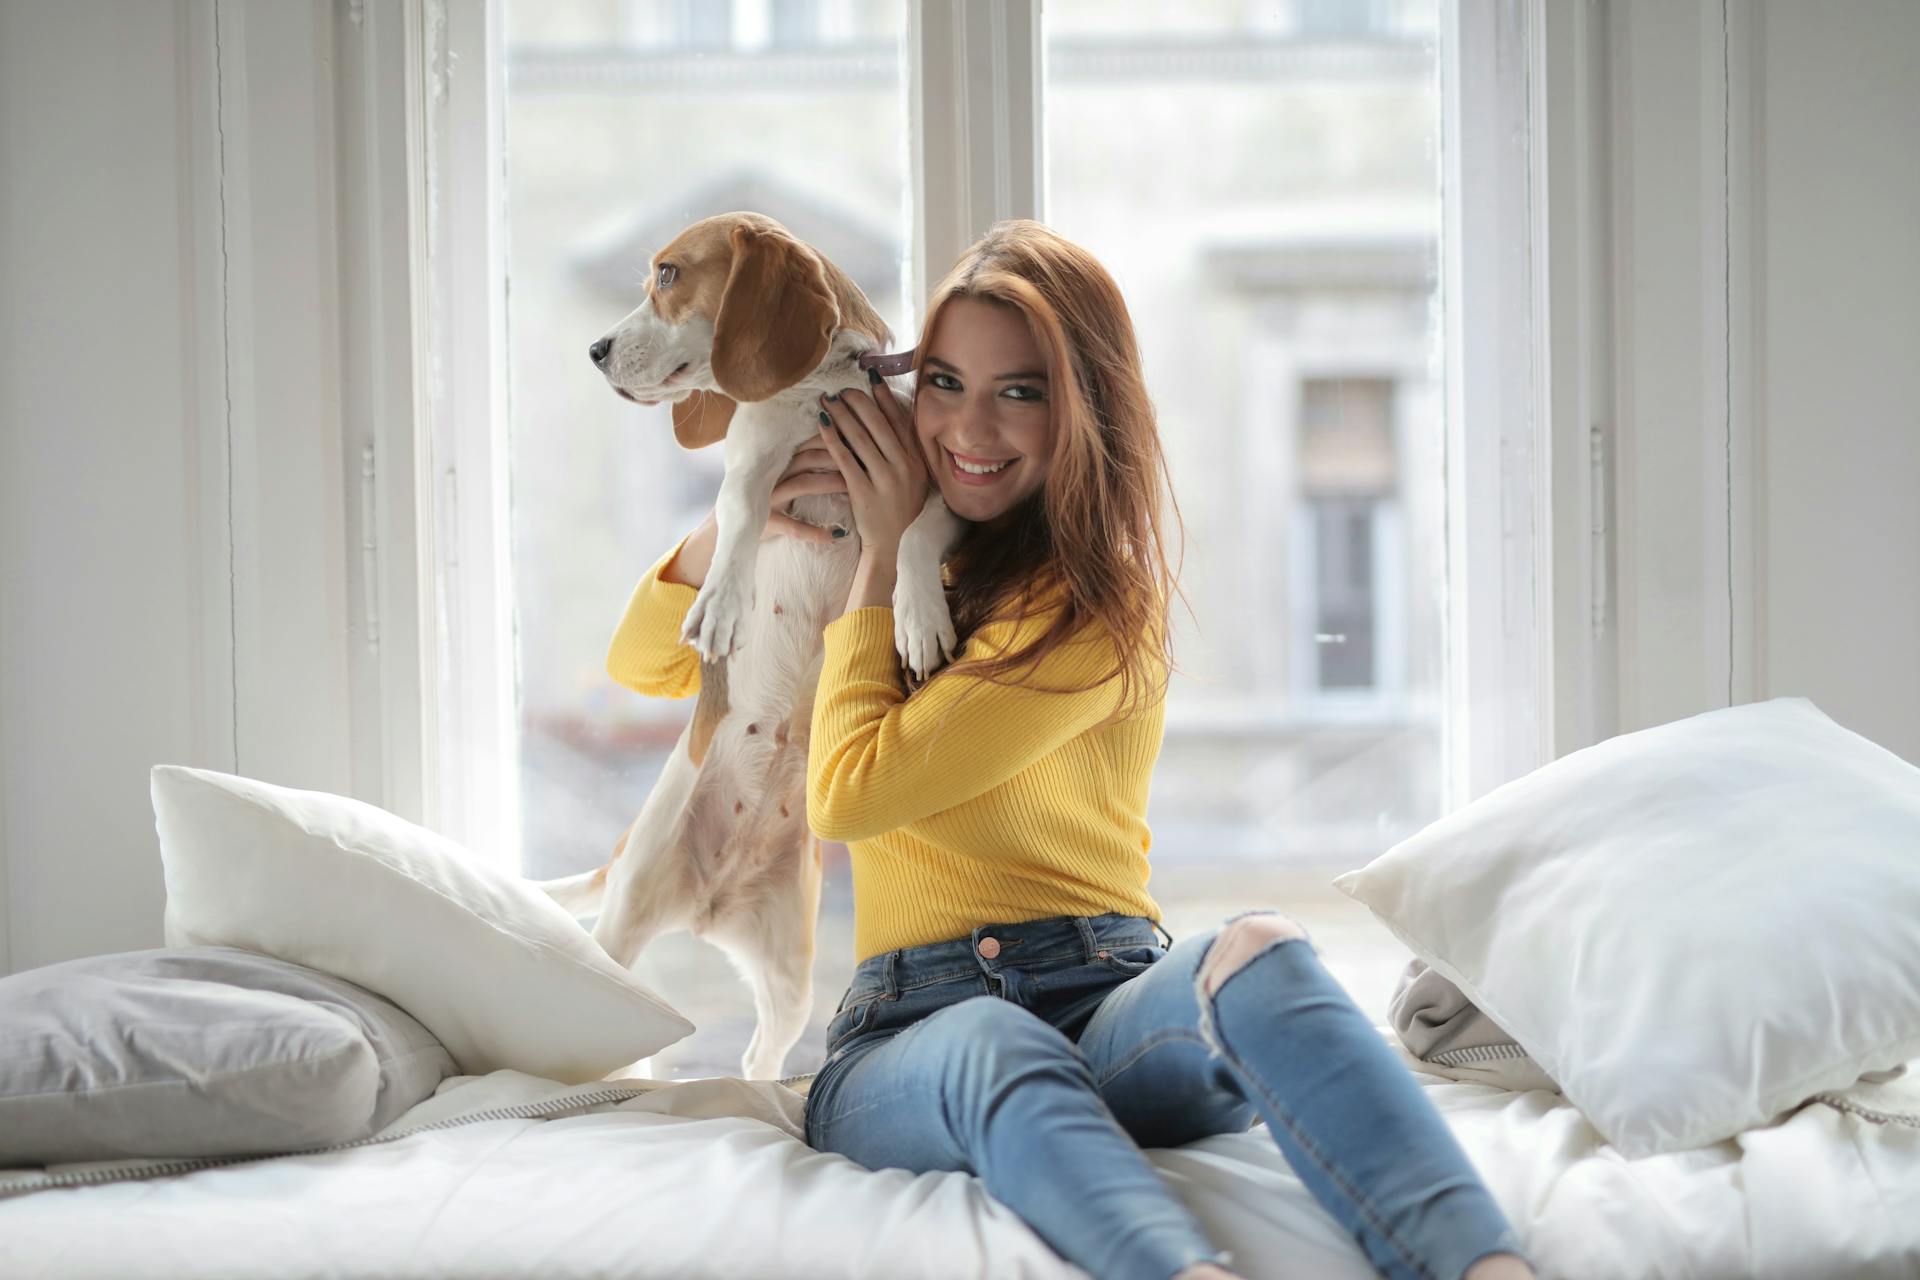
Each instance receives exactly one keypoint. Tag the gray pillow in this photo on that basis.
(198, 1051)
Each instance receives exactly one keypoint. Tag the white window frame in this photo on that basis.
(435, 678)
(472, 672)
(1499, 671)
(979, 160)
(983, 159)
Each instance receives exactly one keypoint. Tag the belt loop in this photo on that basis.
(1163, 933)
(1090, 945)
(892, 979)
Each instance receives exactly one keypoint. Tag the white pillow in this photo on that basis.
(487, 962)
(1693, 928)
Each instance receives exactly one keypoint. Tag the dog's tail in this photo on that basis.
(581, 895)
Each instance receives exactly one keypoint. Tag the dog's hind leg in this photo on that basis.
(770, 940)
(651, 879)
(648, 896)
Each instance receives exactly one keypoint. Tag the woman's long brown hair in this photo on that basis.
(1090, 542)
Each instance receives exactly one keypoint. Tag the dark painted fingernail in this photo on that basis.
(873, 376)
(825, 421)
(839, 533)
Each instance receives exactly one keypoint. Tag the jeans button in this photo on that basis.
(989, 947)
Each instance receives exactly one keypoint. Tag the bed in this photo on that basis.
(509, 1174)
(1616, 917)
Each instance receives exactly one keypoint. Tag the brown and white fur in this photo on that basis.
(743, 332)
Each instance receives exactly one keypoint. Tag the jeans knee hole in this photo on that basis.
(1212, 967)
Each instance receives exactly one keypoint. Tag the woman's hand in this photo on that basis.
(871, 439)
(812, 471)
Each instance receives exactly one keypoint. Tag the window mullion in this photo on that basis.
(465, 660)
(974, 112)
(1498, 527)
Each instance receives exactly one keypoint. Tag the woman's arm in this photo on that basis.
(689, 567)
(645, 654)
(874, 576)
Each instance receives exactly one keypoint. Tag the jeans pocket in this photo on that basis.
(1131, 959)
(851, 1020)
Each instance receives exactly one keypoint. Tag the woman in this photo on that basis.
(1012, 1014)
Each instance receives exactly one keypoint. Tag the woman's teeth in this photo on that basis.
(978, 469)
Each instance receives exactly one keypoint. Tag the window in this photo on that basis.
(1268, 194)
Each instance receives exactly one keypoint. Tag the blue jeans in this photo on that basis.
(1042, 1055)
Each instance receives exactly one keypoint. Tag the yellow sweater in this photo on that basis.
(1015, 808)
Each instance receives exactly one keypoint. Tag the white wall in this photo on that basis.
(170, 286)
(1836, 360)
(1766, 293)
(176, 293)
(101, 488)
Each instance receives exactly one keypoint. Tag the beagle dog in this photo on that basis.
(742, 328)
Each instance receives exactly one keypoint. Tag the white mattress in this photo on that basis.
(712, 1178)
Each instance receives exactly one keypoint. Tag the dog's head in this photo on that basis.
(737, 309)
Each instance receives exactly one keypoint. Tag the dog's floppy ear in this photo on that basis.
(777, 315)
(701, 419)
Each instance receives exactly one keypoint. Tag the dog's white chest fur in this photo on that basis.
(750, 798)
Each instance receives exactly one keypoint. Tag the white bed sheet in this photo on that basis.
(710, 1178)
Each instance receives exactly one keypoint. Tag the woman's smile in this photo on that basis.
(967, 469)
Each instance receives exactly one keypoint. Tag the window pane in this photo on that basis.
(627, 120)
(1263, 181)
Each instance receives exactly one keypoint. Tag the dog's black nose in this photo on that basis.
(598, 351)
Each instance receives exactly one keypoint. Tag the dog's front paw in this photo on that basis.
(716, 622)
(922, 626)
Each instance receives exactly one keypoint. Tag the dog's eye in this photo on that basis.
(667, 274)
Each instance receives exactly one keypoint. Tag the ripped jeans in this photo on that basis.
(1043, 1055)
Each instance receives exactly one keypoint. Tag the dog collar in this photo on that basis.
(890, 366)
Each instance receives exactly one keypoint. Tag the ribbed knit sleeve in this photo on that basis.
(646, 654)
(878, 760)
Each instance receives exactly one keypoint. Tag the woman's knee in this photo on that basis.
(1240, 940)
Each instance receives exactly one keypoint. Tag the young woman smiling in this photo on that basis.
(1012, 1013)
